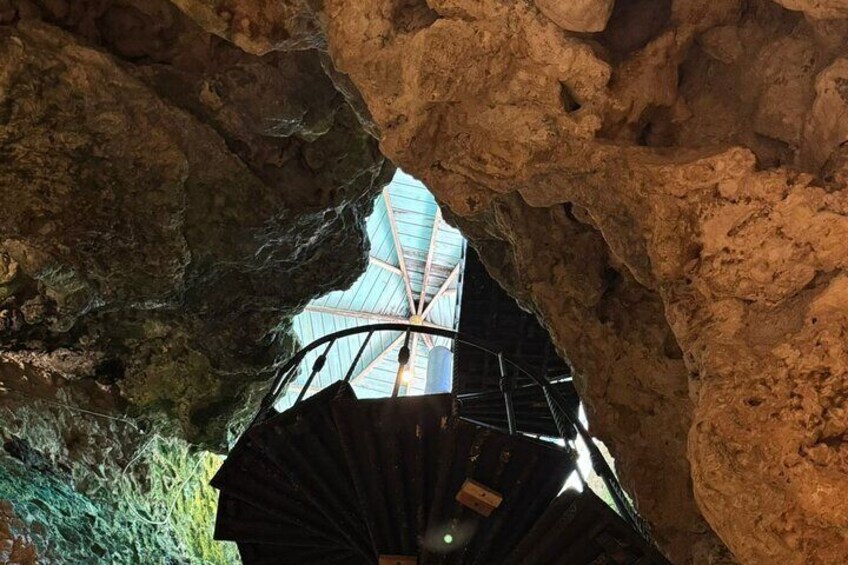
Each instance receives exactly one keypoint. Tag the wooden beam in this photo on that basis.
(383, 265)
(368, 316)
(355, 314)
(294, 388)
(429, 263)
(390, 213)
(442, 290)
(376, 360)
(436, 326)
(412, 353)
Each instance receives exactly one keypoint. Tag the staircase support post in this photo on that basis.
(507, 385)
(602, 468)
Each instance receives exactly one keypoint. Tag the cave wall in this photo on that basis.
(669, 195)
(169, 201)
(663, 182)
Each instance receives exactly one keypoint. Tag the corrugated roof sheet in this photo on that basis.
(380, 294)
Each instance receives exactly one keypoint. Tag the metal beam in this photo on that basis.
(376, 360)
(442, 290)
(354, 314)
(383, 265)
(390, 213)
(428, 265)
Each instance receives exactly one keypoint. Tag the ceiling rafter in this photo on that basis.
(431, 249)
(399, 249)
(355, 314)
(385, 266)
(376, 360)
(421, 311)
(442, 290)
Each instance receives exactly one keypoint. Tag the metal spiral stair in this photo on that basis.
(409, 480)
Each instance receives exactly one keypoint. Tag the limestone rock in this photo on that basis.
(577, 15)
(169, 201)
(15, 545)
(652, 194)
(819, 9)
(668, 195)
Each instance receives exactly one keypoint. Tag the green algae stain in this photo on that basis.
(157, 510)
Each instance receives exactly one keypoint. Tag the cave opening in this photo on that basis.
(369, 407)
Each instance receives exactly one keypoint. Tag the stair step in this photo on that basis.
(528, 474)
(252, 478)
(240, 521)
(393, 448)
(531, 408)
(303, 444)
(336, 480)
(261, 554)
(580, 528)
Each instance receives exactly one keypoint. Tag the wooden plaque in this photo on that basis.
(478, 498)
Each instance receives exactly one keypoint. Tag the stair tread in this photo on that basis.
(531, 408)
(303, 444)
(238, 520)
(393, 446)
(528, 474)
(264, 554)
(338, 480)
(575, 529)
(254, 480)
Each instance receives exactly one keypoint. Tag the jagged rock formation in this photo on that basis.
(15, 545)
(168, 201)
(80, 484)
(662, 181)
(669, 196)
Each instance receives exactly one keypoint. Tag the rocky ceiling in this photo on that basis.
(168, 201)
(662, 181)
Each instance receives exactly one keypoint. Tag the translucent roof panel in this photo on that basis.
(414, 275)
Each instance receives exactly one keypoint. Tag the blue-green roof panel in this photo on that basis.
(380, 295)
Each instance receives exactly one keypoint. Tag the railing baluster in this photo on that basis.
(563, 419)
(356, 359)
(599, 464)
(506, 384)
(316, 368)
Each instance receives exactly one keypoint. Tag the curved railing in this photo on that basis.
(557, 404)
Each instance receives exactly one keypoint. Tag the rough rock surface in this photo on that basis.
(79, 484)
(168, 202)
(578, 15)
(15, 544)
(669, 195)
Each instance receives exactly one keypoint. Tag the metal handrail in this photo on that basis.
(556, 402)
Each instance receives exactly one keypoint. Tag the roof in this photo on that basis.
(415, 270)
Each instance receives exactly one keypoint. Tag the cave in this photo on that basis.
(643, 204)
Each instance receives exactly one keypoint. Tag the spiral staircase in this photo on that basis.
(432, 479)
